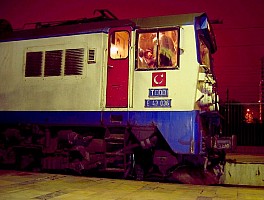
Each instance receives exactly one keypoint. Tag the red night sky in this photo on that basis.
(240, 37)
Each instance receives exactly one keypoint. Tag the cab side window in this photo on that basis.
(157, 49)
(204, 58)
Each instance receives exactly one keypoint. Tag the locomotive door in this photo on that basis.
(118, 68)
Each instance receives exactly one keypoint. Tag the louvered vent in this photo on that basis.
(91, 56)
(53, 61)
(33, 64)
(74, 61)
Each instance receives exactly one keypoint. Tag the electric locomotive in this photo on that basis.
(136, 97)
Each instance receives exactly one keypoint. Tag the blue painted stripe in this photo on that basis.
(180, 129)
(32, 37)
(66, 30)
(51, 117)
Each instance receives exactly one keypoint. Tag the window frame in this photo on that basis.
(201, 40)
(157, 31)
(110, 45)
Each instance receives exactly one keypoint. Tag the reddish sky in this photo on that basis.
(240, 38)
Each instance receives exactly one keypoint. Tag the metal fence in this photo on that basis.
(245, 121)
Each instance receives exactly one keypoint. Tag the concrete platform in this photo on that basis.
(244, 169)
(24, 186)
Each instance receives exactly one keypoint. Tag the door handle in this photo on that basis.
(110, 66)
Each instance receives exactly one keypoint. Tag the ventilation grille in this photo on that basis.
(74, 61)
(91, 56)
(53, 60)
(55, 63)
(33, 64)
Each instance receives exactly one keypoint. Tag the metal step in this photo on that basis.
(114, 170)
(114, 138)
(114, 154)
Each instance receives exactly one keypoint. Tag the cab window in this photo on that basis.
(119, 45)
(157, 49)
(204, 53)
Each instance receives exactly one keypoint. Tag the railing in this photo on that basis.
(245, 121)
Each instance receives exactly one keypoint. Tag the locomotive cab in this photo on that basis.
(172, 96)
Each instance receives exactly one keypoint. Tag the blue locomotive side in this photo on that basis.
(180, 133)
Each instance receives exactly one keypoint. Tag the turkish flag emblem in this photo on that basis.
(158, 79)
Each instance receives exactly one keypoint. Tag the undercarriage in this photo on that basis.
(138, 152)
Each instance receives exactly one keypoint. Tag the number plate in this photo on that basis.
(159, 103)
(224, 143)
(158, 92)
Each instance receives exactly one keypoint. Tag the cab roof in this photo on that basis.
(167, 21)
